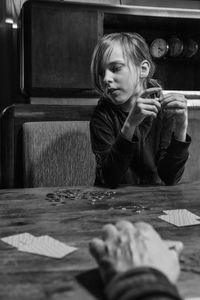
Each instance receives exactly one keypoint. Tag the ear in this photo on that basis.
(144, 69)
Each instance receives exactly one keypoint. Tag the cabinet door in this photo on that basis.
(57, 43)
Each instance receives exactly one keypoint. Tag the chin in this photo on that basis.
(119, 101)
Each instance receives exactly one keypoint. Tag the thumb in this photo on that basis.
(175, 245)
(97, 249)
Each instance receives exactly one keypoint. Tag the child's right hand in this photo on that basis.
(145, 106)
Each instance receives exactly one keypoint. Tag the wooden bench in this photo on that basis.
(15, 145)
(192, 167)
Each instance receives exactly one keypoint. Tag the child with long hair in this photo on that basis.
(138, 135)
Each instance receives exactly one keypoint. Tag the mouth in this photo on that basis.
(112, 91)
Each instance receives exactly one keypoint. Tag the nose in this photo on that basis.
(108, 77)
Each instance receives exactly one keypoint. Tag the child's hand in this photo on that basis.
(145, 106)
(142, 107)
(175, 105)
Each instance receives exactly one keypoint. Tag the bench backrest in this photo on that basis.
(19, 157)
(57, 153)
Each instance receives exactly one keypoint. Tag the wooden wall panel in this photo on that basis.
(58, 44)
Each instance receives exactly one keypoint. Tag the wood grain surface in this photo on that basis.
(75, 221)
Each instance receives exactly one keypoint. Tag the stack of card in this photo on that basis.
(42, 245)
(180, 217)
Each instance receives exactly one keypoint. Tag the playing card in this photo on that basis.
(181, 211)
(42, 245)
(180, 217)
(46, 250)
(193, 298)
(48, 246)
(18, 240)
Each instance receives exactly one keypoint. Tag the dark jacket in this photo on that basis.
(141, 283)
(153, 156)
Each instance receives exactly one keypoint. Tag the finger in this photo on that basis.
(97, 248)
(126, 228)
(175, 245)
(175, 100)
(173, 253)
(144, 226)
(110, 232)
(120, 225)
(149, 107)
(128, 235)
(174, 95)
(149, 101)
(174, 104)
(151, 91)
(146, 229)
(147, 113)
(173, 112)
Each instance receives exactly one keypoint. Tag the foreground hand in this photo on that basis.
(127, 246)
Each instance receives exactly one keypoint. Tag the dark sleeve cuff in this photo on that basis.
(140, 283)
(178, 147)
(125, 146)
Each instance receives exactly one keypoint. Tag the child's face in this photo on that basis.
(120, 79)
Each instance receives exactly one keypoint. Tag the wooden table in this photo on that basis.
(75, 222)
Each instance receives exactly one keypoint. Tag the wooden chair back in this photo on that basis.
(57, 153)
(12, 127)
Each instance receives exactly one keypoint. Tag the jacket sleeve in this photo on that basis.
(141, 283)
(113, 152)
(172, 154)
(172, 161)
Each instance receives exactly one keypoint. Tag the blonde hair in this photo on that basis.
(134, 47)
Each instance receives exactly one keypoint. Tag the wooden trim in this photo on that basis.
(142, 10)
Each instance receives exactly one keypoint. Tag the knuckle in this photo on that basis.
(144, 226)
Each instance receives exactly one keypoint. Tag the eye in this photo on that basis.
(116, 68)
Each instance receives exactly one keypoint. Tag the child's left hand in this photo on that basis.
(175, 105)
